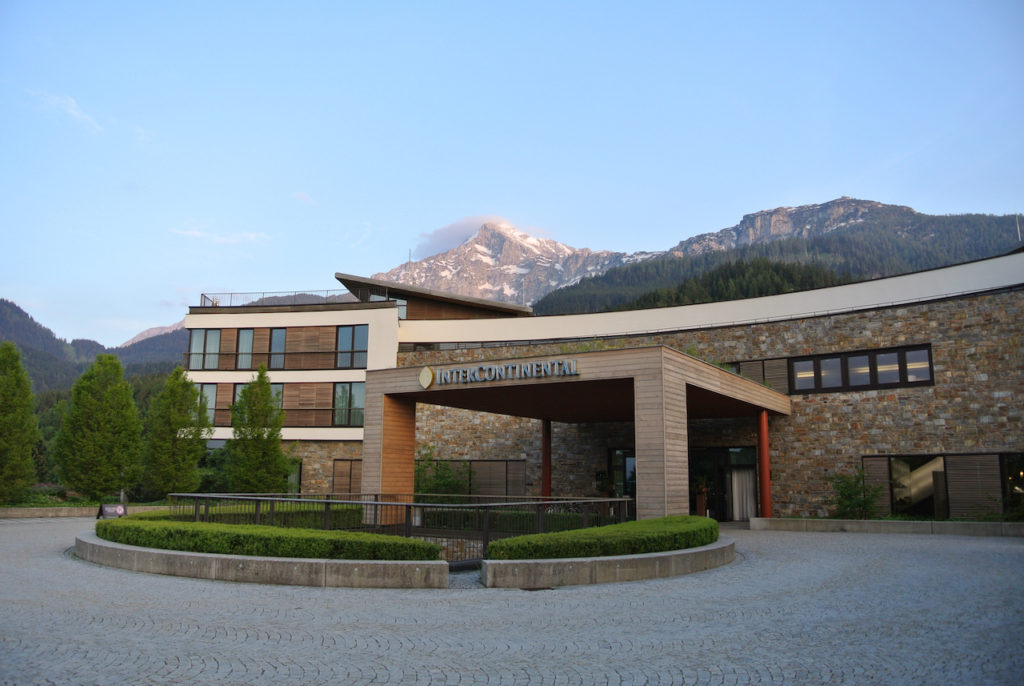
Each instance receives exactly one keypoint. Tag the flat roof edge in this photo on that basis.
(353, 283)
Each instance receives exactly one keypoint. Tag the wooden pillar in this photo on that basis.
(764, 466)
(545, 458)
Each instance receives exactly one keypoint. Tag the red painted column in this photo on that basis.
(764, 466)
(545, 459)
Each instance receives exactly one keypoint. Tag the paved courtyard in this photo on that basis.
(794, 608)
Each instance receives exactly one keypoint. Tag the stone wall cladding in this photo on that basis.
(975, 404)
(318, 461)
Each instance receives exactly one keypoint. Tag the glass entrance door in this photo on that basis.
(622, 469)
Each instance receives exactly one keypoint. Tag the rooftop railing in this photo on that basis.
(278, 299)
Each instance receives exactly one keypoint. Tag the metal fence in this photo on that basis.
(463, 525)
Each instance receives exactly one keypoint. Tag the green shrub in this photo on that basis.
(629, 538)
(150, 530)
(508, 521)
(853, 497)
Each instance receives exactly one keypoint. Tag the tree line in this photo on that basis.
(140, 439)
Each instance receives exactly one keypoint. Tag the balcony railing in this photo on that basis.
(305, 417)
(250, 361)
(275, 299)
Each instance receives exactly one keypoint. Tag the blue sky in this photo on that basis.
(150, 152)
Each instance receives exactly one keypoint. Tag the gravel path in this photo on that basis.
(794, 608)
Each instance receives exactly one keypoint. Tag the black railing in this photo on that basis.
(250, 361)
(275, 299)
(464, 525)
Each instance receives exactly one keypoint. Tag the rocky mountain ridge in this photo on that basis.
(502, 263)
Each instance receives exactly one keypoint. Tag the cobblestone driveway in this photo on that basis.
(795, 608)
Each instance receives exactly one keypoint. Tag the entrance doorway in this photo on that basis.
(622, 473)
(723, 483)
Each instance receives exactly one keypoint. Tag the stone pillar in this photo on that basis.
(545, 458)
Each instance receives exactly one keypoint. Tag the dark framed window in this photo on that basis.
(349, 402)
(276, 392)
(204, 349)
(277, 340)
(862, 370)
(208, 397)
(243, 360)
(352, 346)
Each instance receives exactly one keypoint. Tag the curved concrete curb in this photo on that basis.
(264, 570)
(47, 512)
(887, 526)
(601, 570)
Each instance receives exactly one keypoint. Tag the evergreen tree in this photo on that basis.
(19, 432)
(98, 446)
(256, 462)
(176, 431)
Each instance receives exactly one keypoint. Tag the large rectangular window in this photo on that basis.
(861, 370)
(204, 349)
(352, 346)
(276, 392)
(277, 340)
(349, 401)
(208, 398)
(244, 358)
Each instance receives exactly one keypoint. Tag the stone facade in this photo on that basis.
(318, 461)
(975, 404)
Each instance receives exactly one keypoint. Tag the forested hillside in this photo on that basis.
(868, 249)
(737, 280)
(53, 364)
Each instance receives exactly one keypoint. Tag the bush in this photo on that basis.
(854, 497)
(508, 520)
(155, 530)
(629, 538)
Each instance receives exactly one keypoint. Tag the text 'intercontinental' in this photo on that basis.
(512, 371)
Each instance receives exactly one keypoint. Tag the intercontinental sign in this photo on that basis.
(510, 371)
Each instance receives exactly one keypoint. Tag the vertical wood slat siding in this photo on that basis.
(974, 484)
(753, 371)
(225, 398)
(876, 473)
(260, 347)
(776, 374)
(228, 345)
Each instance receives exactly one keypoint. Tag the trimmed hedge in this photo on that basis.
(510, 521)
(629, 538)
(151, 530)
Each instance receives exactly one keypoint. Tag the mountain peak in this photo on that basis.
(500, 262)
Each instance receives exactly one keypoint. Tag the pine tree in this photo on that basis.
(19, 432)
(256, 461)
(177, 428)
(98, 447)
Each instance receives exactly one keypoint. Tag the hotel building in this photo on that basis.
(739, 408)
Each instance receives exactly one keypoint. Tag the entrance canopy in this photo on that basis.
(658, 388)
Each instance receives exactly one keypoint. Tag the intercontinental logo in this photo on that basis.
(505, 371)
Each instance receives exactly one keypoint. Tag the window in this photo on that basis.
(208, 397)
(204, 349)
(352, 346)
(893, 367)
(349, 401)
(277, 337)
(244, 358)
(276, 392)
